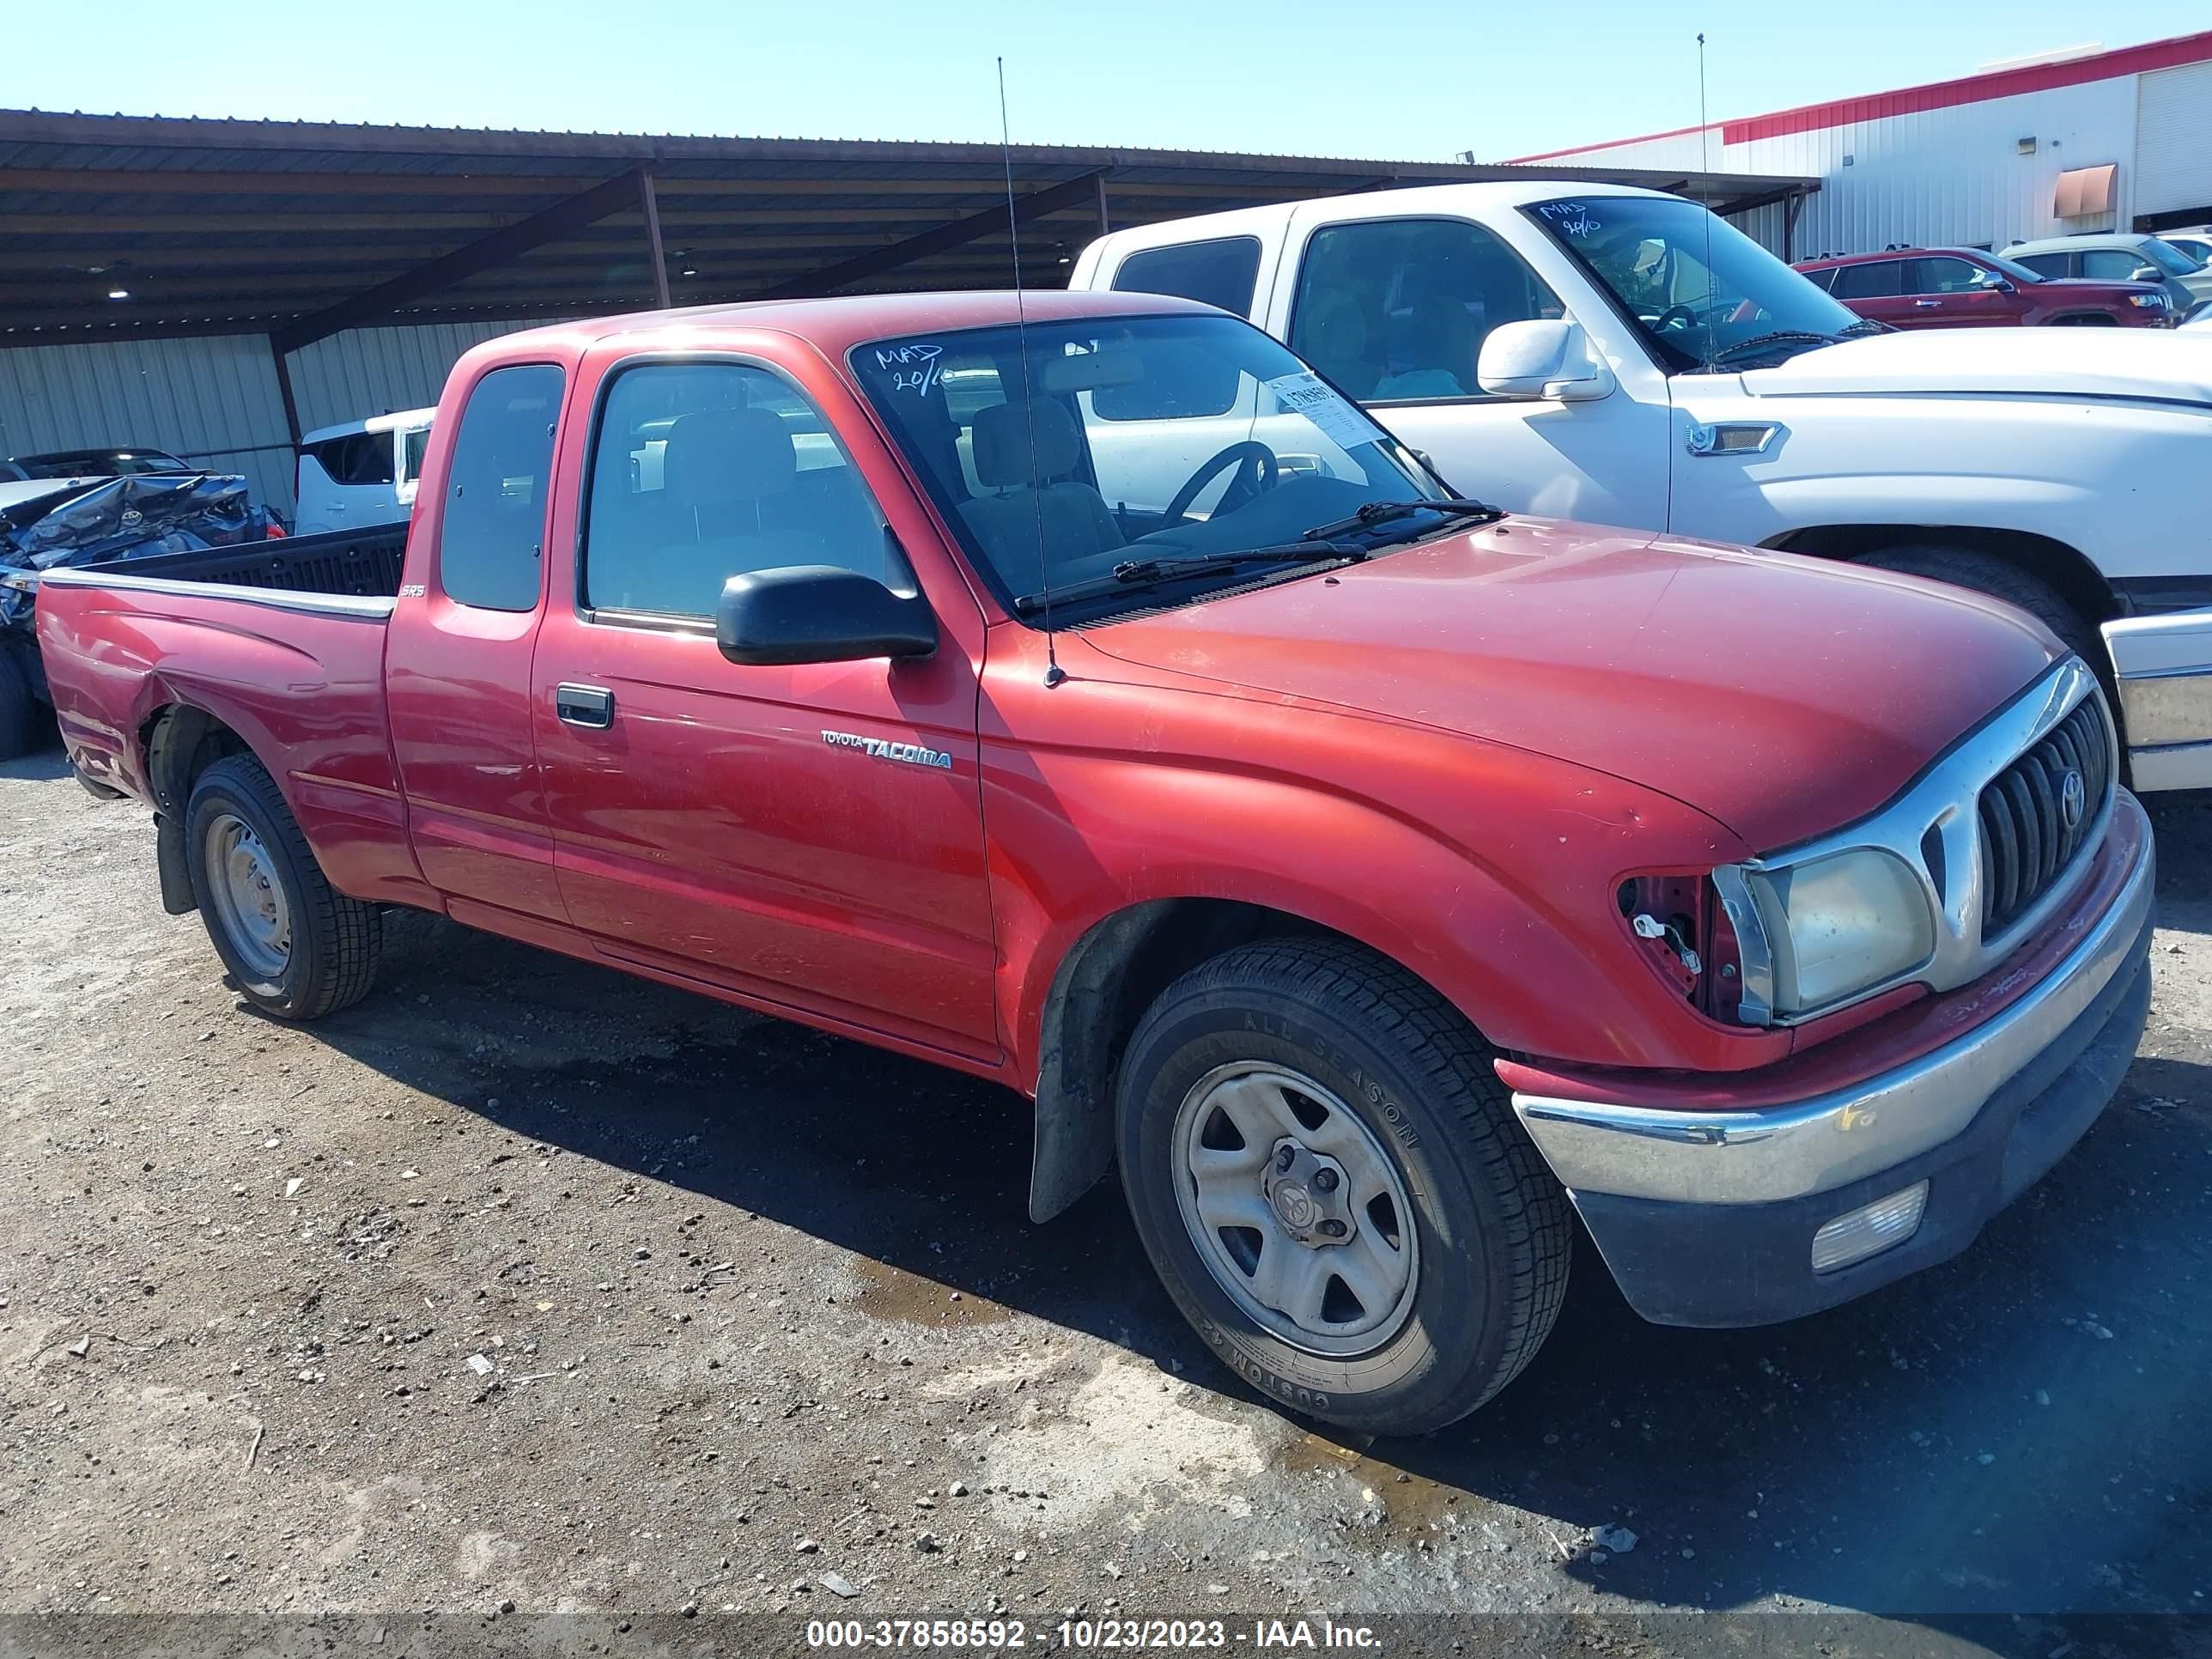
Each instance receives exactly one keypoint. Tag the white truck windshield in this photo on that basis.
(1703, 294)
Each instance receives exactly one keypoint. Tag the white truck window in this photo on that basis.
(1396, 310)
(1223, 272)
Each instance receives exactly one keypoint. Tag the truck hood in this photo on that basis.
(1783, 696)
(2026, 363)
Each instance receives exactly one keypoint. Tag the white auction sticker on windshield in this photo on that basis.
(1305, 394)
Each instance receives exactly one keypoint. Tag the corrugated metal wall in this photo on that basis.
(1939, 177)
(214, 400)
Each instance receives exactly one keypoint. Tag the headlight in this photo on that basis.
(1816, 934)
(2148, 301)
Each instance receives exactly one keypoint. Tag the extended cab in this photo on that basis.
(1378, 879)
(1619, 355)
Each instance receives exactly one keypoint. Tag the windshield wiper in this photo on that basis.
(1866, 326)
(1780, 336)
(1381, 513)
(1151, 572)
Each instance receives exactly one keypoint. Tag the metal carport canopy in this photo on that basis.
(299, 230)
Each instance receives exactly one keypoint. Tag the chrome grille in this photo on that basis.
(2026, 839)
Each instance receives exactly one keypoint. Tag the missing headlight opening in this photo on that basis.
(1677, 924)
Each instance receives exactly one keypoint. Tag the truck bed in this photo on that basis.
(360, 564)
(282, 642)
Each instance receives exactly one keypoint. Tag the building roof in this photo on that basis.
(2011, 82)
(299, 229)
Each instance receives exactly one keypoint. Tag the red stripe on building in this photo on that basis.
(1939, 94)
(1975, 88)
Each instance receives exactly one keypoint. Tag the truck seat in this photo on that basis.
(725, 507)
(1075, 520)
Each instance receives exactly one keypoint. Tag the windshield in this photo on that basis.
(1146, 441)
(2169, 258)
(1696, 286)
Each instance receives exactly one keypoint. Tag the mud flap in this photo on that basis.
(169, 855)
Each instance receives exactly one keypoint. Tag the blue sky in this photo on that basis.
(1412, 80)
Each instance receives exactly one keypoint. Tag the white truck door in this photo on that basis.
(1394, 307)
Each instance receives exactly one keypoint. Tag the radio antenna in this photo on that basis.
(1054, 674)
(1705, 165)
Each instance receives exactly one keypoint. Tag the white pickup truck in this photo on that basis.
(1621, 355)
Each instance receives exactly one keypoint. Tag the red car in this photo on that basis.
(1088, 698)
(1966, 287)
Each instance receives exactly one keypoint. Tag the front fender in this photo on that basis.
(2111, 479)
(1490, 873)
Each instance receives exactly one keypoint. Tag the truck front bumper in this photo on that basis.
(2163, 667)
(1715, 1217)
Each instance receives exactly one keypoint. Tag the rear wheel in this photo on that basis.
(1329, 1179)
(296, 947)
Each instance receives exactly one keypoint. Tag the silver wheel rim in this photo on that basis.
(248, 896)
(1296, 1210)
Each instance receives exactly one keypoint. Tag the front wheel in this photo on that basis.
(295, 946)
(1330, 1182)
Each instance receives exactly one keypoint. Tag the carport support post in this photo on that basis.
(1790, 210)
(284, 387)
(650, 201)
(1105, 223)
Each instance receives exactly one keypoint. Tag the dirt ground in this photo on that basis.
(526, 1289)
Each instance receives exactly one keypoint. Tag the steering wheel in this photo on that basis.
(1687, 313)
(1263, 471)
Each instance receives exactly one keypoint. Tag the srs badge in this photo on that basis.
(912, 754)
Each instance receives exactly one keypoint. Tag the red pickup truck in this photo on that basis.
(1091, 699)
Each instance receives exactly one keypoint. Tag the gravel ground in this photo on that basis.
(526, 1289)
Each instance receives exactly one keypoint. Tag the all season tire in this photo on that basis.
(19, 710)
(1294, 1086)
(296, 946)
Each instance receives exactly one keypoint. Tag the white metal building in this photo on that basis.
(2080, 142)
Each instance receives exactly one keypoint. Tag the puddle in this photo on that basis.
(888, 1292)
(1410, 1503)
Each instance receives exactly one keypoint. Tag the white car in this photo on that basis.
(1620, 355)
(2196, 242)
(361, 472)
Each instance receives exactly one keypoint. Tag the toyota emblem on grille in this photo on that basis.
(2073, 799)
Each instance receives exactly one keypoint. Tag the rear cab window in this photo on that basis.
(1223, 273)
(1396, 310)
(492, 533)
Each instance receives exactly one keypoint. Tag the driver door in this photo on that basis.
(809, 836)
(1395, 310)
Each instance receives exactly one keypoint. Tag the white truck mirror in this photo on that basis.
(1542, 358)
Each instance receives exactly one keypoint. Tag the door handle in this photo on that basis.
(592, 707)
(1929, 305)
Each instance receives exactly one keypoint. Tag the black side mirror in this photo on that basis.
(818, 613)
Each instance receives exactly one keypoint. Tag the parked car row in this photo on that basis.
(1084, 691)
(1966, 287)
